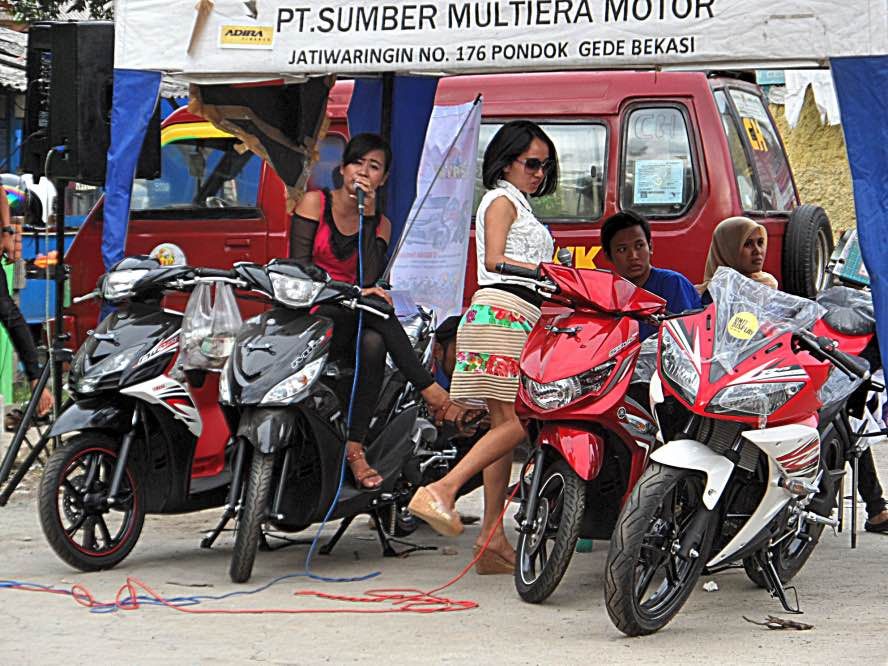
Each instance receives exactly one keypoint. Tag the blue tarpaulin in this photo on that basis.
(862, 90)
(412, 100)
(135, 96)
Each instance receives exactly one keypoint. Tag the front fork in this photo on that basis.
(123, 456)
(529, 502)
(234, 494)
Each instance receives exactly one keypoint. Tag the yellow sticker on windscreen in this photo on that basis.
(743, 325)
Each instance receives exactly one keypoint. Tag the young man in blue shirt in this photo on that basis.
(626, 240)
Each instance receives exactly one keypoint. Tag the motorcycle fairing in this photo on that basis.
(583, 450)
(772, 502)
(691, 454)
(795, 448)
(601, 290)
(92, 414)
(171, 395)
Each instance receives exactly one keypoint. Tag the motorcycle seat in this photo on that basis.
(848, 311)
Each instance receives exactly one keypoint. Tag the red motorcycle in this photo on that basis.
(587, 412)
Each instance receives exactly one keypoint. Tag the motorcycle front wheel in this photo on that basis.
(80, 526)
(543, 553)
(253, 513)
(646, 582)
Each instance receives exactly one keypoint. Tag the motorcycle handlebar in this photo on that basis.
(822, 346)
(518, 271)
(214, 273)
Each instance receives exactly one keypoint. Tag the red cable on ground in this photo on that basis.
(399, 600)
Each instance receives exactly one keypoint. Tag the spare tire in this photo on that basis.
(807, 247)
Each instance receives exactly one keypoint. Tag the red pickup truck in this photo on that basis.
(686, 149)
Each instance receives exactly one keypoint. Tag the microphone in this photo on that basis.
(360, 195)
(565, 258)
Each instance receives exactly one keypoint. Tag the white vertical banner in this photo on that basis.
(431, 264)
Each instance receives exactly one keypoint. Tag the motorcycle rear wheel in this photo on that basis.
(543, 555)
(78, 524)
(788, 556)
(657, 515)
(252, 515)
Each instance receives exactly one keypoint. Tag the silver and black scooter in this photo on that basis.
(286, 402)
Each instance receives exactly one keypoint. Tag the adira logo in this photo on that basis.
(246, 37)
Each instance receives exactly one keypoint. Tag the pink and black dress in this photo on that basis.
(320, 243)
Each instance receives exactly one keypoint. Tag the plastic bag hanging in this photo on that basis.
(209, 328)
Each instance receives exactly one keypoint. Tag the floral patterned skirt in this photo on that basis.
(489, 341)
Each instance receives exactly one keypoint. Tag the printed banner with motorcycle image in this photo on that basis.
(431, 264)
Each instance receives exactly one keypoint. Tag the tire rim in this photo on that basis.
(88, 525)
(534, 548)
(657, 559)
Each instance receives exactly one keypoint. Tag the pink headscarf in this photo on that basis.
(727, 241)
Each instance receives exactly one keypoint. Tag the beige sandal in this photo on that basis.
(427, 507)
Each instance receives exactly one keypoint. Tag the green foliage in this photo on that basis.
(44, 10)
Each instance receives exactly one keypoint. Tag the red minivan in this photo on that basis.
(686, 149)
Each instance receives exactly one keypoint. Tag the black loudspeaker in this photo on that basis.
(70, 71)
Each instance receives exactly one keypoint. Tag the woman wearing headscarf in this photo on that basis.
(741, 244)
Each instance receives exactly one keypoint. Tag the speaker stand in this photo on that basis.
(59, 355)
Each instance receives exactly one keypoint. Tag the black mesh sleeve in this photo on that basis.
(302, 235)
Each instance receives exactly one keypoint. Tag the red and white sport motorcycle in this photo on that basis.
(752, 407)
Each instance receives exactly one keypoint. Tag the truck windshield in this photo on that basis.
(200, 173)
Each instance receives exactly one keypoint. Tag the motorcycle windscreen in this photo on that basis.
(602, 290)
(748, 315)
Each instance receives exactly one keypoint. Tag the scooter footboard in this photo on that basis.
(691, 454)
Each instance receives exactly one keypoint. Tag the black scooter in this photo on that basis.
(147, 439)
(286, 401)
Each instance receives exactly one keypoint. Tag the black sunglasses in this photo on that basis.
(533, 164)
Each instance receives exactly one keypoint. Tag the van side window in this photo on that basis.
(581, 158)
(658, 177)
(200, 173)
(767, 154)
(742, 166)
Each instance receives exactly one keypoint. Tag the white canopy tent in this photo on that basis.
(229, 41)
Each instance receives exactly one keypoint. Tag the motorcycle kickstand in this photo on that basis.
(386, 540)
(212, 535)
(328, 547)
(775, 585)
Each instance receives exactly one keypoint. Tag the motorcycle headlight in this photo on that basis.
(119, 284)
(295, 292)
(756, 399)
(109, 365)
(558, 394)
(678, 369)
(294, 386)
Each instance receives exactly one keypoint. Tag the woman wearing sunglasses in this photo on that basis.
(519, 162)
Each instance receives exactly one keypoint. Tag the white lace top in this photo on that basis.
(528, 240)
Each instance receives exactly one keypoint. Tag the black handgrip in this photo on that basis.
(377, 303)
(518, 271)
(857, 366)
(214, 273)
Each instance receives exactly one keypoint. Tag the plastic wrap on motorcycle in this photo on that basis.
(691, 454)
(92, 414)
